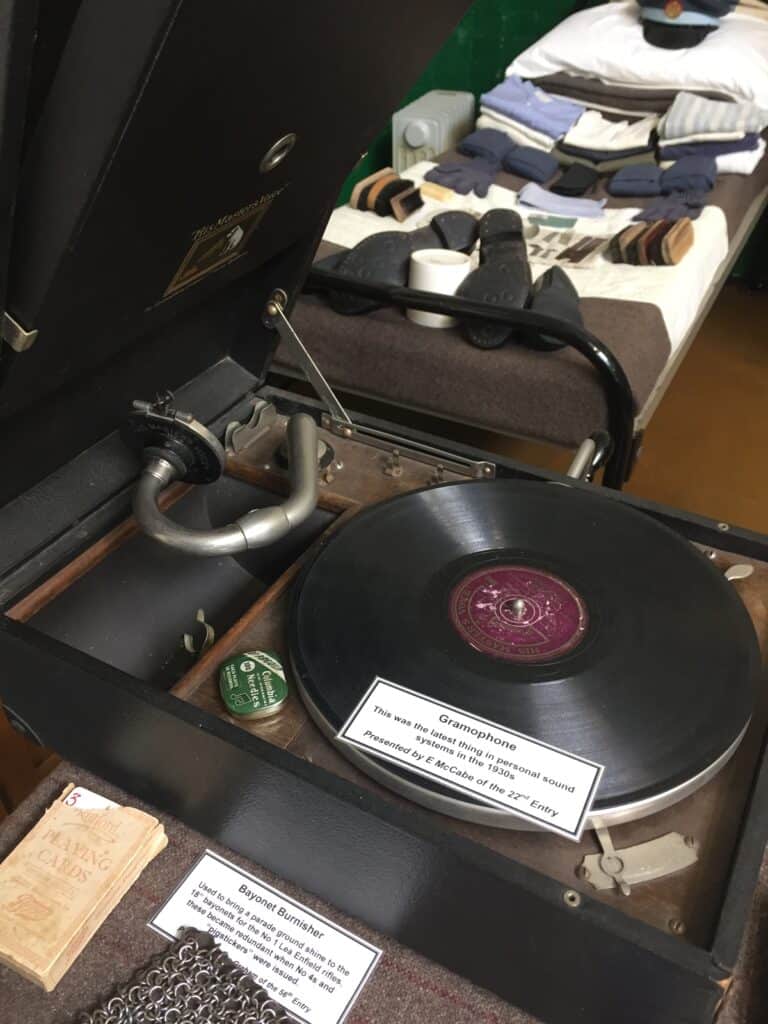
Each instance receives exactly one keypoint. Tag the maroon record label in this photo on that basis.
(518, 613)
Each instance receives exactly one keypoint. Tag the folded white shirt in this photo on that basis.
(593, 131)
(520, 133)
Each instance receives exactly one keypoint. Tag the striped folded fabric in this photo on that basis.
(695, 118)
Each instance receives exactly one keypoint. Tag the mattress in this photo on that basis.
(646, 316)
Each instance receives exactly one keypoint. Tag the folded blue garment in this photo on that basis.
(636, 180)
(534, 164)
(566, 206)
(716, 148)
(690, 174)
(487, 143)
(524, 102)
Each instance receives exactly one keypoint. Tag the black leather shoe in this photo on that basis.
(503, 278)
(553, 294)
(384, 258)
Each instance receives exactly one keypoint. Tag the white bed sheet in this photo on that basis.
(679, 292)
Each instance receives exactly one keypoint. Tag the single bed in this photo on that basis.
(647, 317)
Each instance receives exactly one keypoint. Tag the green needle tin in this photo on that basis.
(252, 684)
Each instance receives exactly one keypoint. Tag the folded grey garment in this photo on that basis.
(617, 99)
(605, 166)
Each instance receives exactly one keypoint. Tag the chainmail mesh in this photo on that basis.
(192, 982)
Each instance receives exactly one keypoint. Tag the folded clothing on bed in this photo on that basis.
(527, 162)
(541, 199)
(745, 162)
(597, 133)
(741, 163)
(525, 103)
(638, 180)
(691, 174)
(488, 143)
(696, 119)
(519, 133)
(598, 156)
(714, 148)
(571, 155)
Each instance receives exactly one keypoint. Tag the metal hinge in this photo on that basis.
(15, 335)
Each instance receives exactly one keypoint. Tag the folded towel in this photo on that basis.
(519, 133)
(639, 180)
(691, 174)
(532, 106)
(488, 143)
(595, 132)
(692, 115)
(527, 162)
(538, 197)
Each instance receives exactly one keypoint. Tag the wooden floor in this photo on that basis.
(705, 451)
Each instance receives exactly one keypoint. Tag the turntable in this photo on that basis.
(150, 280)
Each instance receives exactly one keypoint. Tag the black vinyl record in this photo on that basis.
(563, 615)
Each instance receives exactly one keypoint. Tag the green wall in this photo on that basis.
(473, 59)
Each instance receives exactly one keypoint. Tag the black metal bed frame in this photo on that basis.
(619, 400)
